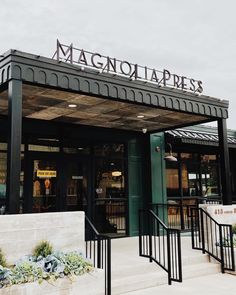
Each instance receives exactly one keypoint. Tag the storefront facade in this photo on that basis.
(74, 138)
(197, 173)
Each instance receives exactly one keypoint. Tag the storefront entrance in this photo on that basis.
(58, 181)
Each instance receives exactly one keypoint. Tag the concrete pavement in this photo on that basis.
(216, 284)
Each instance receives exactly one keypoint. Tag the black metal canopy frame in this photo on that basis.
(25, 76)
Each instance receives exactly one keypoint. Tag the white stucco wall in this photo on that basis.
(20, 233)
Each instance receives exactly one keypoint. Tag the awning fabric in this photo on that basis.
(198, 137)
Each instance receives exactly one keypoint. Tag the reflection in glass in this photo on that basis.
(110, 199)
(190, 179)
(44, 186)
(172, 179)
(110, 178)
(76, 190)
(111, 150)
(3, 177)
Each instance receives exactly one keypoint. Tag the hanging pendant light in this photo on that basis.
(170, 157)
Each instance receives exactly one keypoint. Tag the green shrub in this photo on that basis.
(2, 259)
(43, 249)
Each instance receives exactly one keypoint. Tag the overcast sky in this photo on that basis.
(194, 38)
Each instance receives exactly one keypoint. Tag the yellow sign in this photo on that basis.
(46, 173)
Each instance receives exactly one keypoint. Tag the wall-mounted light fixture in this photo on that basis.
(170, 157)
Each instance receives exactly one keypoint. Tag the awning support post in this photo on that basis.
(14, 146)
(224, 163)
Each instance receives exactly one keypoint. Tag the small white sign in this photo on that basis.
(77, 177)
(222, 214)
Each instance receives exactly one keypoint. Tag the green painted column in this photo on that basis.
(158, 171)
(135, 180)
(146, 167)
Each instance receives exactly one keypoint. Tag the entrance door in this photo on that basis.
(56, 183)
(76, 185)
(44, 185)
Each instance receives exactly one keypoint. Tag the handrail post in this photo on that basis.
(108, 266)
(150, 238)
(168, 256)
(182, 215)
(179, 256)
(192, 227)
(140, 233)
(99, 252)
(202, 230)
(221, 249)
(232, 247)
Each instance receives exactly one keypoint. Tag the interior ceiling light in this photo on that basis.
(140, 116)
(72, 105)
(116, 173)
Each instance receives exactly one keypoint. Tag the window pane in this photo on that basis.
(109, 150)
(190, 179)
(210, 185)
(172, 179)
(3, 177)
(189, 156)
(110, 180)
(44, 186)
(43, 148)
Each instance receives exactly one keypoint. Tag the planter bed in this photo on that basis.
(88, 284)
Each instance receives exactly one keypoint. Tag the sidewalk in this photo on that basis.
(217, 284)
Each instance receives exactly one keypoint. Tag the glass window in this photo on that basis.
(189, 156)
(172, 179)
(110, 150)
(83, 150)
(3, 177)
(210, 178)
(190, 179)
(76, 189)
(110, 179)
(43, 148)
(44, 186)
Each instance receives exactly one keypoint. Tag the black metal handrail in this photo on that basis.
(213, 238)
(175, 215)
(160, 244)
(98, 250)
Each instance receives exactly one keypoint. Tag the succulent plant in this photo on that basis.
(53, 265)
(27, 271)
(5, 276)
(74, 263)
(44, 248)
(38, 268)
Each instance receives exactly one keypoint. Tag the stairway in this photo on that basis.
(131, 272)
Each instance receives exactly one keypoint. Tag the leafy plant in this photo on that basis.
(26, 272)
(5, 276)
(2, 259)
(43, 249)
(74, 263)
(52, 264)
(38, 268)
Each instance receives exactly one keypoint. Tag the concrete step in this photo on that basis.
(150, 278)
(130, 272)
(142, 265)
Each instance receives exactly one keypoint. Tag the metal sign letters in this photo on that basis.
(101, 63)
